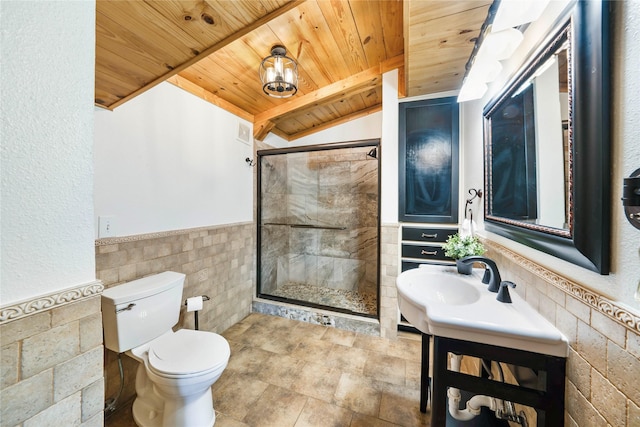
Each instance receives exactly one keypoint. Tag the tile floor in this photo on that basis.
(289, 373)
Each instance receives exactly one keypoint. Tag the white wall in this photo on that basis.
(47, 80)
(167, 160)
(367, 127)
(471, 158)
(626, 145)
(389, 149)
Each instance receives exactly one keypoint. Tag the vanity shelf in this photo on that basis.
(546, 396)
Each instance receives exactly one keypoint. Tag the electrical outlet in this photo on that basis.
(105, 227)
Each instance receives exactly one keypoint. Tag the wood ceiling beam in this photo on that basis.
(350, 85)
(332, 123)
(282, 134)
(201, 92)
(262, 129)
(235, 36)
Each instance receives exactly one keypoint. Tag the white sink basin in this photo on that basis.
(439, 288)
(439, 301)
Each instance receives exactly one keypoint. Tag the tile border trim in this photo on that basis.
(607, 307)
(49, 302)
(136, 237)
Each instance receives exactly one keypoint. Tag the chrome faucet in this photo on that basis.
(494, 275)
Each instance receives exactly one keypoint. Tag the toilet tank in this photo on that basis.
(136, 312)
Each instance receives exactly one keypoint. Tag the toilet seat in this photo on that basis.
(187, 353)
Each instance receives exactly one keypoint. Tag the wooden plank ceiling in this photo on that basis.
(212, 48)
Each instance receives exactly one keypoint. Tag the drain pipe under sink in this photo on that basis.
(474, 405)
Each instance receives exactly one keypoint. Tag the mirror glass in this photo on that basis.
(529, 154)
(547, 149)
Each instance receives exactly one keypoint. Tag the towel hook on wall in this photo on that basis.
(474, 193)
(250, 161)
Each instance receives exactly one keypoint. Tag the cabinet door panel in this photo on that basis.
(428, 161)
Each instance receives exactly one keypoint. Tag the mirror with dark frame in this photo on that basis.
(547, 146)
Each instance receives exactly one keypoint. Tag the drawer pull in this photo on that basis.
(429, 236)
(423, 252)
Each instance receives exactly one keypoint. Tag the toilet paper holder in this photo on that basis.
(195, 313)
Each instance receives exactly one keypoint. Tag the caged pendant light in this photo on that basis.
(279, 74)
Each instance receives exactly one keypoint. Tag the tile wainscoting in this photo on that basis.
(389, 270)
(52, 360)
(218, 262)
(603, 369)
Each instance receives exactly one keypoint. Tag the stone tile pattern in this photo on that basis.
(389, 271)
(603, 369)
(218, 262)
(328, 188)
(52, 367)
(287, 373)
(354, 301)
(346, 322)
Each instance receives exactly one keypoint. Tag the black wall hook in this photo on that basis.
(474, 193)
(250, 161)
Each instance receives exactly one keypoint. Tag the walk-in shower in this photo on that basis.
(318, 226)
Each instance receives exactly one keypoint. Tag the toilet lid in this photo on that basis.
(188, 352)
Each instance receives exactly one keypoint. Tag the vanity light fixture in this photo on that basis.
(513, 13)
(486, 66)
(279, 74)
(498, 41)
(500, 45)
(472, 90)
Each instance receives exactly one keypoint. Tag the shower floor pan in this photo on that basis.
(337, 298)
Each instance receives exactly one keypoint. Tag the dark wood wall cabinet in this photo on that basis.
(428, 161)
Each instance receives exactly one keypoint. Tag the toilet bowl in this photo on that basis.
(177, 369)
(173, 383)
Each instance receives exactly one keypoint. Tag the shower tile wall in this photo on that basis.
(335, 189)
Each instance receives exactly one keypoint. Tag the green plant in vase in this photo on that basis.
(458, 247)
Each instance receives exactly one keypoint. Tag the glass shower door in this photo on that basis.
(318, 226)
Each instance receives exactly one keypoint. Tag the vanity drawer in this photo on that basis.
(424, 252)
(410, 265)
(436, 235)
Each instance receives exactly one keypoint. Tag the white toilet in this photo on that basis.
(177, 369)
